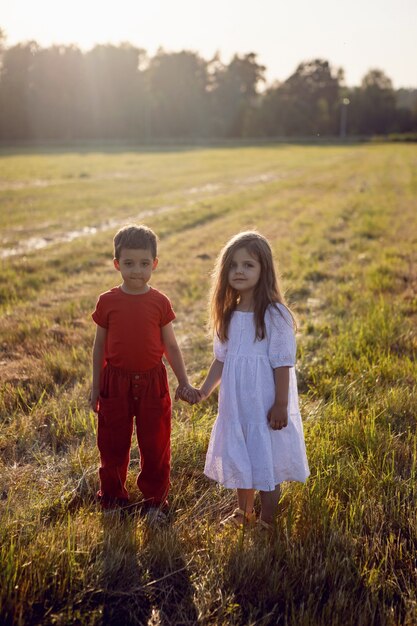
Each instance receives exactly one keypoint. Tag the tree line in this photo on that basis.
(120, 93)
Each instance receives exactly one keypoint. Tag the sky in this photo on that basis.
(357, 35)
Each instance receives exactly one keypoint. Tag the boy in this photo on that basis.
(134, 330)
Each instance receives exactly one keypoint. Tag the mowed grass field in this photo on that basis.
(342, 221)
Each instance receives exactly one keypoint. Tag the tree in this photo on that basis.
(307, 103)
(58, 94)
(177, 94)
(118, 92)
(16, 91)
(234, 95)
(373, 105)
(115, 91)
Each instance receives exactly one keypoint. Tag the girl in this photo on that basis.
(257, 440)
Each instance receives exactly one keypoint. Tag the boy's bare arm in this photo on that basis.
(176, 361)
(173, 353)
(98, 361)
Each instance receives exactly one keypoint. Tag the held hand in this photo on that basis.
(187, 393)
(278, 417)
(194, 397)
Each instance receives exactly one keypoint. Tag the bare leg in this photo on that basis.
(245, 499)
(269, 504)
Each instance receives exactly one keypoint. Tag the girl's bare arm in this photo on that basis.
(212, 379)
(278, 413)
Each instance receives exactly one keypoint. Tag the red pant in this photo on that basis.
(123, 396)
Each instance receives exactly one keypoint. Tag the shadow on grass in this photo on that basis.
(123, 596)
(309, 575)
(170, 589)
(144, 581)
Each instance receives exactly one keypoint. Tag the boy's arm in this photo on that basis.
(98, 361)
(278, 413)
(212, 379)
(173, 354)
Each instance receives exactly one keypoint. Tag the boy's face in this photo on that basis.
(136, 266)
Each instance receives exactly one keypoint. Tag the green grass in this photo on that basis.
(343, 225)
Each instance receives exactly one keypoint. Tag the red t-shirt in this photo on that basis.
(133, 323)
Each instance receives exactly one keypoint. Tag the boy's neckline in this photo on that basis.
(129, 293)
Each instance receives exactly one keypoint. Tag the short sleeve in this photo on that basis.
(100, 315)
(167, 313)
(219, 348)
(281, 337)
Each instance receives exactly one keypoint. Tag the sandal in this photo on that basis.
(238, 518)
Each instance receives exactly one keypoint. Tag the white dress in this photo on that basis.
(244, 452)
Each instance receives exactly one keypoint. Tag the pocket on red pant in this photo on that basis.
(158, 406)
(163, 390)
(113, 411)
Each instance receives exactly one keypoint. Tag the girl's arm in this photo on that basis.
(212, 379)
(173, 354)
(98, 361)
(278, 413)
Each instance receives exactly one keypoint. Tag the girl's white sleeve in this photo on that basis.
(219, 349)
(281, 337)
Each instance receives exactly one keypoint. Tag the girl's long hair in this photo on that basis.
(224, 299)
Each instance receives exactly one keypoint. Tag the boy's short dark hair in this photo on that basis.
(134, 237)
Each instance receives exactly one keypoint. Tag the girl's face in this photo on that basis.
(244, 272)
